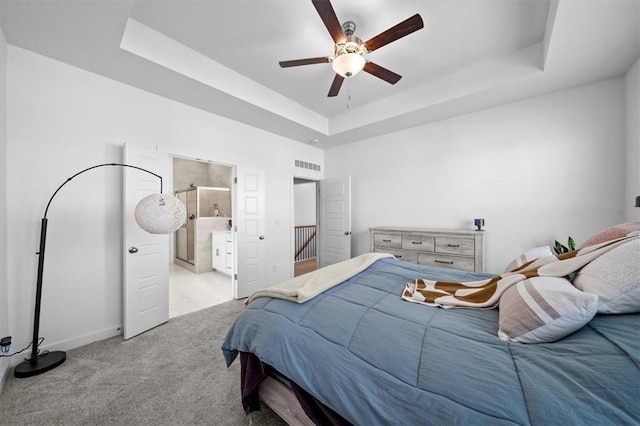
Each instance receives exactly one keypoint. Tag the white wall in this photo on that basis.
(61, 120)
(304, 195)
(536, 170)
(632, 84)
(4, 298)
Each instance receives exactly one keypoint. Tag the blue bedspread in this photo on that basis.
(376, 359)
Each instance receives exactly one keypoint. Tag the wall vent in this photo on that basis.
(306, 165)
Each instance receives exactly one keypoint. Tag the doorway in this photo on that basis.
(196, 281)
(305, 226)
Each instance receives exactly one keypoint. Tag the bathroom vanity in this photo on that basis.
(222, 251)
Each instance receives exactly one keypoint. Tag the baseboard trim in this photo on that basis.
(69, 344)
(85, 339)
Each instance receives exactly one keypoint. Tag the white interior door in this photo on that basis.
(146, 256)
(335, 220)
(249, 239)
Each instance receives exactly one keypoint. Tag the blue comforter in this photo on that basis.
(376, 359)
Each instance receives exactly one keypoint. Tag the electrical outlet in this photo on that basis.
(8, 350)
(5, 345)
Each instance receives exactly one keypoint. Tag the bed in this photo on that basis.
(366, 357)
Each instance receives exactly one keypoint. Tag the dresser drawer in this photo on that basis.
(450, 248)
(406, 255)
(444, 261)
(418, 242)
(452, 245)
(387, 240)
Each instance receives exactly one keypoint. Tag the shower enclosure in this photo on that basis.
(208, 209)
(185, 249)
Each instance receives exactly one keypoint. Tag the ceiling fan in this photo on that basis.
(349, 51)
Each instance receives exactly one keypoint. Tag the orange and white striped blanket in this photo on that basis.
(485, 294)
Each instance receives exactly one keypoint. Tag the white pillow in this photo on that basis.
(544, 309)
(615, 278)
(528, 256)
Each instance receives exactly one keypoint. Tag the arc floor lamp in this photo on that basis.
(156, 213)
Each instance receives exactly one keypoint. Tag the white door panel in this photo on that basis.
(250, 239)
(335, 220)
(334, 243)
(334, 207)
(335, 224)
(146, 256)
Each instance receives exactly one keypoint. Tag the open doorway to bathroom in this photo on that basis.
(201, 269)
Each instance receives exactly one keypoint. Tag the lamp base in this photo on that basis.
(43, 363)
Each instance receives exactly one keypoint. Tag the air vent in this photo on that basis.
(307, 165)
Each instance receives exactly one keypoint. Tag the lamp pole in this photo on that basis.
(41, 363)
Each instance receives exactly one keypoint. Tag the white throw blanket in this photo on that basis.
(307, 286)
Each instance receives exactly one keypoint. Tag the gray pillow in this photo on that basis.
(544, 309)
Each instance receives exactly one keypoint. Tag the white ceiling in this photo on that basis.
(222, 56)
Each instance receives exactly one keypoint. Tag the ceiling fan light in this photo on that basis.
(348, 64)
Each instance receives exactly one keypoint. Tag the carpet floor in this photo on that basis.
(174, 374)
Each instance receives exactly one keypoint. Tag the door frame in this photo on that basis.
(292, 256)
(318, 181)
(172, 243)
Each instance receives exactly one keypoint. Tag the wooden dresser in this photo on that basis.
(445, 248)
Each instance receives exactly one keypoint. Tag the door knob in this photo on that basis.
(261, 237)
(133, 249)
(347, 233)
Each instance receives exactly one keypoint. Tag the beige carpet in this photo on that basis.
(172, 375)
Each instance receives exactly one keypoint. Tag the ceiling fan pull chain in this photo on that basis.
(349, 94)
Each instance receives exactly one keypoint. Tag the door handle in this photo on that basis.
(133, 249)
(347, 233)
(261, 237)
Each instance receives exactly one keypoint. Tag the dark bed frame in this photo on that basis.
(261, 382)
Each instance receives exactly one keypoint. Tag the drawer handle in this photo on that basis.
(450, 262)
(453, 245)
(386, 241)
(416, 242)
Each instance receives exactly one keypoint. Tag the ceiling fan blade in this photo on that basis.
(335, 86)
(382, 73)
(328, 16)
(404, 28)
(307, 61)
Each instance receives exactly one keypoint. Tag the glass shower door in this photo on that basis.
(185, 249)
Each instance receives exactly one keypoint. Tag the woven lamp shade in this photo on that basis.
(160, 213)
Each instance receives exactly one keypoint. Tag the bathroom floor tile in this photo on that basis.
(189, 292)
